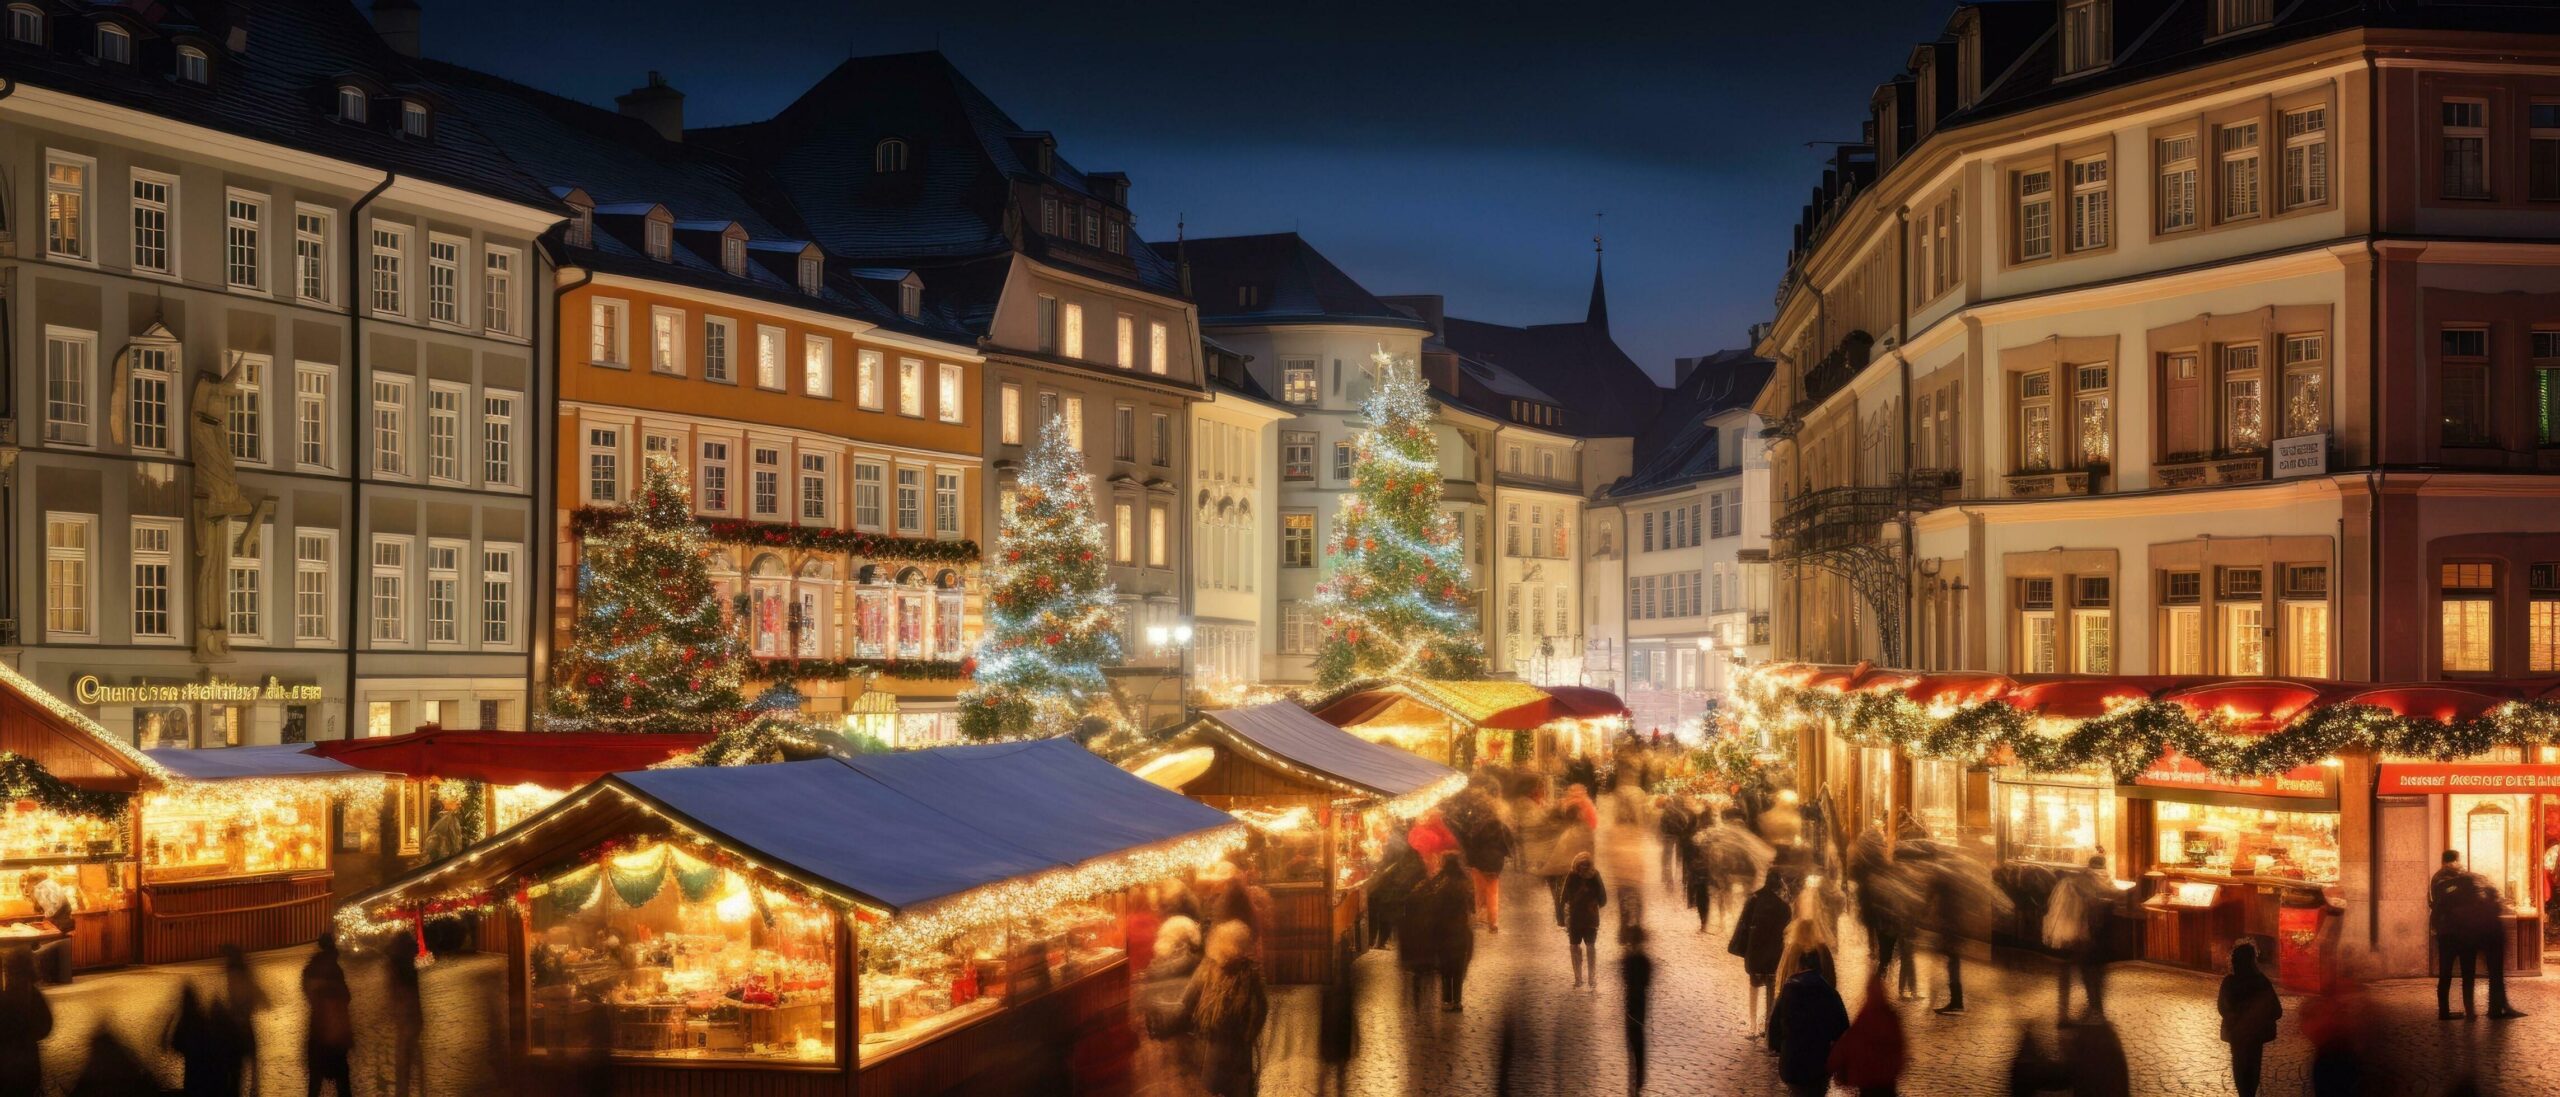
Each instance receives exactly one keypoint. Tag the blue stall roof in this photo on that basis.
(229, 763)
(1303, 739)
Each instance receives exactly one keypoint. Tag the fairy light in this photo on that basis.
(1049, 614)
(46, 700)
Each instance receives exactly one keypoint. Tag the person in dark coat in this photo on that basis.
(408, 1018)
(1399, 872)
(201, 1038)
(1451, 906)
(1168, 1058)
(2086, 899)
(1635, 977)
(242, 1001)
(1488, 843)
(2449, 897)
(330, 1031)
(1418, 942)
(1809, 1019)
(1227, 1005)
(2485, 935)
(25, 1020)
(1870, 1057)
(1584, 895)
(1679, 827)
(1760, 938)
(2249, 1009)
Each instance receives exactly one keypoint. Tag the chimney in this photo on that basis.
(657, 104)
(1425, 307)
(397, 21)
(1440, 371)
(1681, 368)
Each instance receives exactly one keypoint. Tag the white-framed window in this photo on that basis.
(911, 387)
(389, 592)
(498, 596)
(311, 266)
(1298, 539)
(245, 599)
(769, 350)
(154, 219)
(1156, 349)
(444, 279)
(719, 334)
(666, 340)
(712, 473)
(1126, 339)
(156, 579)
(193, 67)
(868, 489)
(390, 272)
(70, 583)
(1072, 331)
(2244, 405)
(352, 102)
(244, 228)
(868, 384)
(444, 591)
(1048, 323)
(947, 393)
(311, 418)
(2305, 643)
(69, 359)
(608, 332)
(390, 425)
(26, 24)
(2093, 421)
(2092, 204)
(2306, 157)
(2035, 421)
(2035, 214)
(946, 503)
(2177, 183)
(582, 224)
(2469, 617)
(2306, 384)
(1158, 526)
(498, 290)
(2038, 648)
(2087, 34)
(315, 556)
(815, 487)
(1072, 410)
(818, 365)
(149, 382)
(1009, 413)
(444, 431)
(812, 274)
(1123, 533)
(115, 44)
(2093, 648)
(764, 485)
(2464, 158)
(604, 465)
(658, 236)
(1298, 381)
(910, 500)
(2240, 171)
(413, 118)
(66, 203)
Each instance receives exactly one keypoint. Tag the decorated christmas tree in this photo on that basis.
(1049, 625)
(1395, 603)
(649, 650)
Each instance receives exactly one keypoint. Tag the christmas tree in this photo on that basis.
(1395, 603)
(649, 649)
(1049, 629)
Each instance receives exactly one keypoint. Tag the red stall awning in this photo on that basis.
(556, 760)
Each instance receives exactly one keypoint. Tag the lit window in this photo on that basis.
(69, 586)
(2036, 639)
(1155, 347)
(1072, 333)
(712, 497)
(1298, 539)
(769, 367)
(1123, 536)
(1011, 414)
(2244, 621)
(2238, 145)
(2306, 621)
(2035, 421)
(947, 398)
(2244, 410)
(1298, 381)
(2470, 618)
(244, 220)
(66, 206)
(666, 341)
(910, 387)
(1127, 333)
(351, 103)
(2542, 619)
(2306, 382)
(2177, 159)
(605, 337)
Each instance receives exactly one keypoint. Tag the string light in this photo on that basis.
(1049, 615)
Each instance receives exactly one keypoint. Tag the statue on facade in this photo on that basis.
(216, 501)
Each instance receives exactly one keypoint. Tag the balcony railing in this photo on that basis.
(1835, 518)
(1834, 371)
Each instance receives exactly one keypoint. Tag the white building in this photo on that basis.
(1233, 503)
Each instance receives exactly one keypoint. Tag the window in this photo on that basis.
(1342, 453)
(2306, 378)
(2306, 620)
(666, 341)
(1010, 413)
(946, 504)
(818, 366)
(147, 383)
(1297, 455)
(2036, 640)
(1074, 415)
(867, 488)
(2306, 157)
(444, 592)
(910, 500)
(2542, 618)
(2177, 182)
(245, 603)
(604, 465)
(67, 357)
(659, 238)
(2238, 145)
(2091, 413)
(733, 256)
(910, 387)
(311, 253)
(444, 432)
(497, 438)
(765, 483)
(115, 44)
(351, 103)
(2234, 15)
(1124, 430)
(2464, 163)
(391, 426)
(1048, 323)
(1072, 331)
(814, 491)
(193, 66)
(244, 218)
(444, 280)
(2086, 34)
(2182, 631)
(498, 595)
(2244, 631)
(2463, 384)
(151, 205)
(1157, 532)
(2470, 615)
(582, 224)
(1092, 228)
(315, 553)
(2244, 413)
(812, 274)
(390, 590)
(867, 382)
(1127, 337)
(246, 419)
(889, 155)
(2093, 625)
(154, 579)
(390, 291)
(311, 417)
(1298, 539)
(2035, 215)
(2092, 205)
(2035, 421)
(1123, 533)
(712, 472)
(26, 25)
(2546, 387)
(718, 334)
(69, 553)
(1161, 433)
(769, 370)
(66, 203)
(947, 393)
(911, 298)
(2542, 153)
(1298, 381)
(413, 118)
(1155, 347)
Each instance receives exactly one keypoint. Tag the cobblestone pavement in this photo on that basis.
(1565, 1041)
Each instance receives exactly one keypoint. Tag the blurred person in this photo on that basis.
(1962, 903)
(54, 903)
(1418, 942)
(1808, 946)
(1578, 827)
(329, 1029)
(111, 1068)
(1731, 858)
(1870, 858)
(242, 1001)
(2338, 1022)
(1678, 826)
(1168, 1059)
(1430, 837)
(1584, 895)
(207, 1066)
(1227, 1006)
(408, 1017)
(1399, 872)
(2078, 915)
(1338, 1028)
(1488, 843)
(1808, 1020)
(1759, 937)
(2450, 896)
(2485, 933)
(1871, 1056)
(2249, 1009)
(1635, 978)
(1451, 925)
(25, 1020)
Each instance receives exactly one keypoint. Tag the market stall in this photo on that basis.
(2499, 809)
(906, 924)
(1322, 803)
(1461, 723)
(66, 822)
(237, 848)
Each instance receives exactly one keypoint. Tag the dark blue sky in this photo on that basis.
(1457, 148)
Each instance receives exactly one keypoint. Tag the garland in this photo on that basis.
(2130, 737)
(22, 778)
(735, 531)
(837, 670)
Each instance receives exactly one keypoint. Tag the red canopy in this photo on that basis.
(2441, 702)
(1583, 703)
(2259, 704)
(2078, 698)
(556, 760)
(1958, 689)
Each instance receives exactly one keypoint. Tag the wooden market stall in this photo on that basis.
(238, 848)
(1461, 723)
(1322, 802)
(66, 821)
(933, 922)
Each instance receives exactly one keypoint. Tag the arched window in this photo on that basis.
(769, 612)
(115, 44)
(911, 613)
(26, 24)
(413, 118)
(871, 612)
(950, 608)
(351, 103)
(813, 603)
(889, 155)
(193, 66)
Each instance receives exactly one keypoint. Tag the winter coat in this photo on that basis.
(2449, 895)
(325, 998)
(1430, 838)
(1580, 821)
(1808, 1020)
(1760, 934)
(2248, 1001)
(1418, 929)
(1161, 995)
(1584, 895)
(2476, 923)
(1451, 903)
(1487, 844)
(1227, 1005)
(1871, 1054)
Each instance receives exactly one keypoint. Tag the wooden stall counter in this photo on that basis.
(1082, 1022)
(2191, 923)
(193, 919)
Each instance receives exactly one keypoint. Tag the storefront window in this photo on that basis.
(2055, 824)
(173, 726)
(2495, 837)
(871, 608)
(667, 956)
(1875, 787)
(513, 804)
(1937, 796)
(908, 999)
(2238, 841)
(211, 834)
(31, 833)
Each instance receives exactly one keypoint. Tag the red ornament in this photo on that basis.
(1053, 639)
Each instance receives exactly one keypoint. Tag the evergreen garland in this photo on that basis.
(735, 531)
(22, 778)
(837, 670)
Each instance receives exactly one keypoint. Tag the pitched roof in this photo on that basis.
(275, 68)
(1611, 395)
(1296, 283)
(1285, 730)
(1677, 447)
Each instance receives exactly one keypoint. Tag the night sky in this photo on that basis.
(1426, 147)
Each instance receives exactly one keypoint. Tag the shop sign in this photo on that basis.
(88, 690)
(2175, 770)
(2301, 455)
(2438, 778)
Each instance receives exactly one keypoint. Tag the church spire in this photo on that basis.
(1598, 317)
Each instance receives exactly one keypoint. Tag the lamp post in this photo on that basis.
(1177, 639)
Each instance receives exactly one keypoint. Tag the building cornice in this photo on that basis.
(797, 435)
(863, 329)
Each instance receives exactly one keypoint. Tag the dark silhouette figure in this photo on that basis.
(2339, 1023)
(330, 1033)
(2249, 1010)
(242, 1001)
(113, 1070)
(201, 1037)
(25, 1020)
(1227, 1006)
(1584, 895)
(1451, 904)
(2078, 916)
(1870, 1057)
(1635, 976)
(1337, 1028)
(2449, 897)
(1809, 1020)
(408, 1019)
(1760, 938)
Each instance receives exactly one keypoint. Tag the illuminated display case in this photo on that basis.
(2055, 823)
(214, 834)
(30, 834)
(2221, 840)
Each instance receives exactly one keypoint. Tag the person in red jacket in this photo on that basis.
(1869, 1057)
(1431, 837)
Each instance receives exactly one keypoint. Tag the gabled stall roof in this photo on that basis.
(1487, 703)
(562, 760)
(230, 763)
(1338, 757)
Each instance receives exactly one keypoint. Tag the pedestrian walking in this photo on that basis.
(25, 1020)
(2249, 1011)
(1168, 1059)
(1808, 946)
(1760, 937)
(1418, 943)
(1584, 895)
(1430, 837)
(1679, 827)
(1870, 1057)
(1227, 1006)
(1488, 843)
(329, 1033)
(1452, 908)
(242, 1001)
(2485, 934)
(1399, 872)
(1338, 1029)
(2449, 896)
(199, 1038)
(1635, 977)
(1578, 827)
(408, 1018)
(2077, 918)
(1809, 1020)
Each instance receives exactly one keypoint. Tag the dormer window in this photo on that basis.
(890, 155)
(2238, 15)
(811, 272)
(115, 44)
(911, 297)
(413, 118)
(733, 256)
(659, 236)
(26, 25)
(582, 225)
(193, 66)
(2086, 39)
(351, 103)
(1248, 296)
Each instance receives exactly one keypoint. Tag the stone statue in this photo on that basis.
(216, 501)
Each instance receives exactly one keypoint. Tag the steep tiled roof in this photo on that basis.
(1610, 395)
(1294, 283)
(1675, 449)
(275, 67)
